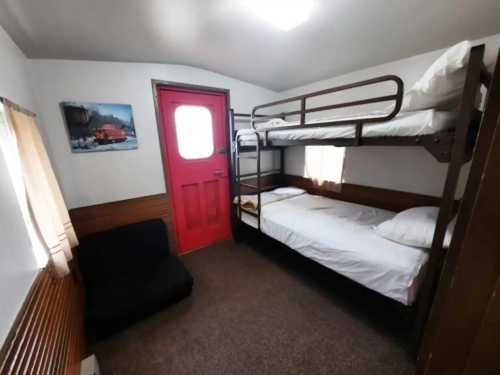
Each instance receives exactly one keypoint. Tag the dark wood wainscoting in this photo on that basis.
(370, 196)
(106, 216)
(100, 217)
(376, 197)
(48, 335)
(270, 180)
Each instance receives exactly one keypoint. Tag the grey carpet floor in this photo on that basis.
(259, 309)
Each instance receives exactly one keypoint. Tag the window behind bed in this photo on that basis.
(324, 163)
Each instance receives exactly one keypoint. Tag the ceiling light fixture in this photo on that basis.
(282, 14)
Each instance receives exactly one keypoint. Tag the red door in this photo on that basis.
(195, 141)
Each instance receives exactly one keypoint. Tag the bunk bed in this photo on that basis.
(453, 138)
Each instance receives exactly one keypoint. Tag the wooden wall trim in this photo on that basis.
(100, 217)
(371, 196)
(48, 334)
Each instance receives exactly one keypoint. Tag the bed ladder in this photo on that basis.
(429, 300)
(258, 186)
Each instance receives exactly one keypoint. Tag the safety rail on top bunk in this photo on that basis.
(358, 122)
(247, 117)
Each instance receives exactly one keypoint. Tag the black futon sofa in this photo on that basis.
(129, 273)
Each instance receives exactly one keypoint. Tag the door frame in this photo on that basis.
(156, 86)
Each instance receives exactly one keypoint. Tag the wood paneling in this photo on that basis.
(269, 180)
(48, 335)
(376, 197)
(484, 357)
(106, 216)
(101, 217)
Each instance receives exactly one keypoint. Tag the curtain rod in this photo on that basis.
(17, 107)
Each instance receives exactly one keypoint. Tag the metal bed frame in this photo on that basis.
(456, 147)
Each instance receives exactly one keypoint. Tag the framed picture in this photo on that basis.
(96, 127)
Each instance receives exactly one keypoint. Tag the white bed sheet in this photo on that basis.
(404, 124)
(339, 235)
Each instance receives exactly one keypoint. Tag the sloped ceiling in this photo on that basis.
(223, 36)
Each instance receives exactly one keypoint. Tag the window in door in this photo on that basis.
(193, 126)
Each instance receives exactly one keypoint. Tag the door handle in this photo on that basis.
(219, 173)
(222, 150)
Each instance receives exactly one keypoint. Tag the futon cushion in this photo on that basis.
(128, 297)
(129, 273)
(106, 255)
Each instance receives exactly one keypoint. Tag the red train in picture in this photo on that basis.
(109, 133)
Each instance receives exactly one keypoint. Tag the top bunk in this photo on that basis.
(446, 98)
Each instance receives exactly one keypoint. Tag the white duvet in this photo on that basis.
(403, 125)
(339, 235)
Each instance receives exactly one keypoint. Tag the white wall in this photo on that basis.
(397, 168)
(14, 83)
(17, 262)
(93, 178)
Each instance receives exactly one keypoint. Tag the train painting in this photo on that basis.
(94, 127)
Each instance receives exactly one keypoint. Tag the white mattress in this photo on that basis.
(339, 235)
(404, 124)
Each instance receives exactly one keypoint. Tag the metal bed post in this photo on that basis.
(446, 210)
(282, 162)
(238, 176)
(257, 150)
(233, 168)
(303, 111)
(259, 182)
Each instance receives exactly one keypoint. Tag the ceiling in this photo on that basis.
(223, 36)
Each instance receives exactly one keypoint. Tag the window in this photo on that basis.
(324, 163)
(193, 125)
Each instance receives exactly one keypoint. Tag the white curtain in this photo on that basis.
(39, 195)
(324, 163)
(8, 146)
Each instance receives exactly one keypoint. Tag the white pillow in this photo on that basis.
(289, 191)
(414, 227)
(442, 84)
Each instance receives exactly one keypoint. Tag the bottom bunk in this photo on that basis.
(341, 236)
